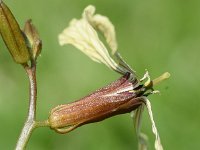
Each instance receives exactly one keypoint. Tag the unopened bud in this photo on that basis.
(12, 35)
(33, 38)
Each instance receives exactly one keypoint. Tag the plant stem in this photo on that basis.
(30, 123)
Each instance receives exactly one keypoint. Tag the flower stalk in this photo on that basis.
(30, 121)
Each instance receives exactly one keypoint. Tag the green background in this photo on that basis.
(158, 35)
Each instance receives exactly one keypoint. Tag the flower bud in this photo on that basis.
(33, 38)
(12, 35)
(117, 98)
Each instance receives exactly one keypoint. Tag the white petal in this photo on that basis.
(82, 35)
(141, 137)
(158, 145)
(103, 24)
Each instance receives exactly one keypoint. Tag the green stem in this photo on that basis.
(30, 121)
(42, 123)
(25, 135)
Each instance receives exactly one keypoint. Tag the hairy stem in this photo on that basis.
(30, 121)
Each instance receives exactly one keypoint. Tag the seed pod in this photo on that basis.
(12, 35)
(117, 98)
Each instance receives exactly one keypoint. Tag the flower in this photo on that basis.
(124, 95)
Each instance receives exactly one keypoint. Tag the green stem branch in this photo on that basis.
(31, 122)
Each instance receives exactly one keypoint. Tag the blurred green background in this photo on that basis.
(158, 35)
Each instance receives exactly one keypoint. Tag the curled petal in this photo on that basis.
(82, 35)
(104, 25)
(158, 145)
(141, 137)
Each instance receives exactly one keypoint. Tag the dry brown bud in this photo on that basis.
(33, 38)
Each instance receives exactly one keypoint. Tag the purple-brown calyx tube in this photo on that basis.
(121, 96)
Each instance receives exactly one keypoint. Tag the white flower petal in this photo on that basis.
(82, 35)
(103, 24)
(158, 145)
(142, 138)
